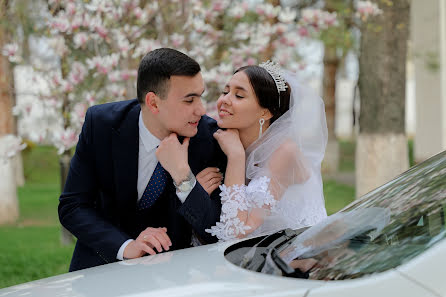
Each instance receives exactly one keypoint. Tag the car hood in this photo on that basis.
(198, 271)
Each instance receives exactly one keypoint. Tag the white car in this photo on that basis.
(404, 256)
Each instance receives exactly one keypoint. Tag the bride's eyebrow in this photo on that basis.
(239, 88)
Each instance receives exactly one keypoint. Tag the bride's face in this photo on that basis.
(238, 107)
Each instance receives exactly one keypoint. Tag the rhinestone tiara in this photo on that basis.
(276, 73)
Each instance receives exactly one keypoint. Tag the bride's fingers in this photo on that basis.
(212, 175)
(209, 170)
(214, 181)
(212, 188)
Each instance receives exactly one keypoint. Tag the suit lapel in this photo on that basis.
(125, 148)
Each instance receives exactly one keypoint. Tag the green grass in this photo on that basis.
(31, 248)
(346, 155)
(337, 195)
(31, 253)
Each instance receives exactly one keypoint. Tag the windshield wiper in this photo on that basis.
(247, 261)
(280, 267)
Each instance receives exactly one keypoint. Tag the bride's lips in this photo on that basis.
(223, 112)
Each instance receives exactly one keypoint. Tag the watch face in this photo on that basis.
(185, 186)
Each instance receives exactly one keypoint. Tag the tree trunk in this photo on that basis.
(9, 210)
(331, 64)
(9, 207)
(381, 151)
(66, 237)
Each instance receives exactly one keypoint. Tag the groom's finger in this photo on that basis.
(186, 142)
(151, 238)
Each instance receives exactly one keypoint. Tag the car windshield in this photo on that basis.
(393, 224)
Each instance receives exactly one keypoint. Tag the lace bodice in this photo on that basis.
(287, 212)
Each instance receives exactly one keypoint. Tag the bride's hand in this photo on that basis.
(229, 141)
(210, 178)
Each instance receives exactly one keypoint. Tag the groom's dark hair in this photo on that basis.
(266, 91)
(158, 66)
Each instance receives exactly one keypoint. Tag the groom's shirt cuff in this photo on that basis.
(120, 255)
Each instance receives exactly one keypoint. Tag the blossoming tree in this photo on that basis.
(95, 47)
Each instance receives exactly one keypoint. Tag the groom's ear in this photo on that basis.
(151, 102)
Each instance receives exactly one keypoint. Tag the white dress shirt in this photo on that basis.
(146, 165)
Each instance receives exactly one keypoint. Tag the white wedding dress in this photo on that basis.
(298, 187)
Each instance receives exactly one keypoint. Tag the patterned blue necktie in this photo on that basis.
(154, 188)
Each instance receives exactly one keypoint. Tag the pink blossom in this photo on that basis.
(80, 109)
(102, 31)
(177, 40)
(70, 9)
(318, 19)
(10, 145)
(287, 15)
(67, 86)
(218, 6)
(80, 39)
(103, 65)
(56, 79)
(251, 61)
(114, 76)
(281, 28)
(78, 73)
(127, 74)
(65, 139)
(11, 51)
(90, 98)
(138, 12)
(60, 23)
(260, 10)
(366, 9)
(303, 32)
(211, 110)
(76, 23)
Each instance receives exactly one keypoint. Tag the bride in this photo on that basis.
(274, 138)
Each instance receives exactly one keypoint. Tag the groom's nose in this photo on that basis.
(200, 110)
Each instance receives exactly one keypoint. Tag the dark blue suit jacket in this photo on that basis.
(98, 204)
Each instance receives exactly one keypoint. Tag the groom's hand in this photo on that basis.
(147, 242)
(173, 157)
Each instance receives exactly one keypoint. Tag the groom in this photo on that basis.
(132, 189)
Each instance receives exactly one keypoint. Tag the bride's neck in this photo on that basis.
(249, 135)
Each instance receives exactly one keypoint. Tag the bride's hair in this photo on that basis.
(266, 91)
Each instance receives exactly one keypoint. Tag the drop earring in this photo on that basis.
(261, 122)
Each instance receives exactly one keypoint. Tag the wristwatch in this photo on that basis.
(187, 184)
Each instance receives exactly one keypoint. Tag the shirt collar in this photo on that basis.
(149, 141)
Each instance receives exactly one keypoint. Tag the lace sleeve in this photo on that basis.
(240, 198)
